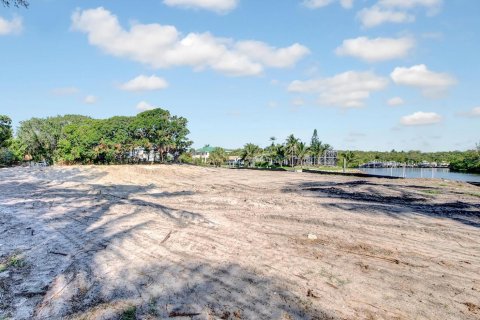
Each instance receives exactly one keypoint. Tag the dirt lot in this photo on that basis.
(186, 242)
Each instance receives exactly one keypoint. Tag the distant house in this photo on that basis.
(203, 153)
(235, 161)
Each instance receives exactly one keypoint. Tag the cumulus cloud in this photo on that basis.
(395, 11)
(145, 83)
(431, 83)
(144, 106)
(346, 90)
(65, 91)
(269, 56)
(395, 101)
(90, 99)
(375, 16)
(13, 26)
(377, 49)
(220, 6)
(421, 118)
(163, 46)
(315, 4)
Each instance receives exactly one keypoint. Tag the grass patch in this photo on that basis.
(474, 194)
(129, 314)
(432, 191)
(15, 261)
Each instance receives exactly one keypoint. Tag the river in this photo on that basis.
(439, 173)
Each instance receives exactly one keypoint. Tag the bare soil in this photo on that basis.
(184, 242)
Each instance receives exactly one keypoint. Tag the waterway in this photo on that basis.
(439, 173)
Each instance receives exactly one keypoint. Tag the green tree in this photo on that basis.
(302, 152)
(249, 153)
(349, 157)
(218, 157)
(291, 146)
(41, 136)
(15, 3)
(5, 131)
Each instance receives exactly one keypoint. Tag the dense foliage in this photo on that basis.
(16, 3)
(5, 131)
(78, 139)
(218, 157)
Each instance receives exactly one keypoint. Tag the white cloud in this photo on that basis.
(421, 118)
(409, 4)
(375, 16)
(145, 83)
(90, 99)
(431, 83)
(346, 90)
(395, 101)
(377, 49)
(220, 6)
(65, 91)
(13, 26)
(144, 106)
(163, 46)
(315, 4)
(395, 11)
(475, 112)
(269, 56)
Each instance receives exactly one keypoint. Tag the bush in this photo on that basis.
(7, 158)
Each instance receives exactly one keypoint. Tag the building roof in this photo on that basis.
(206, 149)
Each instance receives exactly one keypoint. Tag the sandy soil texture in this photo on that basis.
(184, 242)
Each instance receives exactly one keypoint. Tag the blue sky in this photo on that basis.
(368, 75)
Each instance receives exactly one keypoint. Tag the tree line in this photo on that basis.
(292, 152)
(72, 139)
(468, 161)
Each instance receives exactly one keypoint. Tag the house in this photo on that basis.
(203, 153)
(235, 161)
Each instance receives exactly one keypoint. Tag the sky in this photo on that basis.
(367, 74)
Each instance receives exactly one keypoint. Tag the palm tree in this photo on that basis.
(270, 150)
(218, 157)
(302, 151)
(291, 146)
(249, 153)
(273, 139)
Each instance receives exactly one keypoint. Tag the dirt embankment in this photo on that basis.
(156, 242)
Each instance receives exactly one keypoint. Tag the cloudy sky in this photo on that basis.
(368, 74)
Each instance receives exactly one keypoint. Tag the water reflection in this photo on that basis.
(440, 173)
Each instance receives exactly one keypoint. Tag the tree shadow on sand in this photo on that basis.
(390, 199)
(67, 241)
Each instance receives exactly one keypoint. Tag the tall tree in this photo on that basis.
(315, 146)
(5, 130)
(15, 3)
(302, 152)
(250, 152)
(291, 146)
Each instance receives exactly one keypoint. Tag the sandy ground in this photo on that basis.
(183, 242)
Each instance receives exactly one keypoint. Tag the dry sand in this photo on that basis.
(187, 242)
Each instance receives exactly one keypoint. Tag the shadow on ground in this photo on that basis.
(390, 199)
(64, 274)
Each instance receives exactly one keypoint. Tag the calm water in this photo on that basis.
(423, 173)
